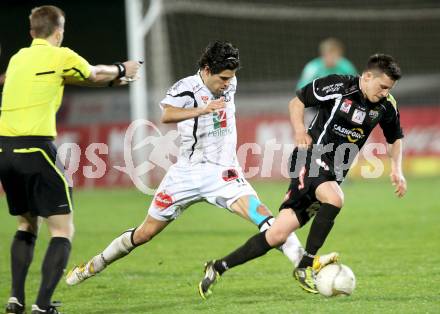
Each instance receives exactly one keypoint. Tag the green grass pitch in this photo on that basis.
(392, 245)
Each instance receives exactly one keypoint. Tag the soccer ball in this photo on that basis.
(335, 279)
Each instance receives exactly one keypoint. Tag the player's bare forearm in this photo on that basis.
(102, 74)
(395, 154)
(172, 114)
(296, 111)
(396, 175)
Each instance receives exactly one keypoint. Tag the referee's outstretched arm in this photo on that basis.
(107, 75)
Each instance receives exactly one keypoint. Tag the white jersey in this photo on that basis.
(208, 138)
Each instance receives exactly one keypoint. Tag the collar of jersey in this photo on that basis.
(358, 82)
(40, 42)
(200, 81)
(199, 78)
(364, 99)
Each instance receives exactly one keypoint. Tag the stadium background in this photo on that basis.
(276, 38)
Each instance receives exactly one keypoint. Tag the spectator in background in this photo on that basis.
(331, 61)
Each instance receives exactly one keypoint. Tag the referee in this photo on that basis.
(33, 180)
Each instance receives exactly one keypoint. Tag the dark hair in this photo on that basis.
(220, 56)
(385, 64)
(45, 20)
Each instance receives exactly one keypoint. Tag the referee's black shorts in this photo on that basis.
(32, 178)
(300, 196)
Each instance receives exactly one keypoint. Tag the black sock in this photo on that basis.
(253, 248)
(321, 226)
(306, 260)
(54, 263)
(22, 252)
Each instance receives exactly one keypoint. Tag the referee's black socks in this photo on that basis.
(22, 252)
(321, 226)
(254, 247)
(54, 263)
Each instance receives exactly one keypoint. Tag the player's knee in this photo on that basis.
(69, 230)
(28, 224)
(257, 211)
(338, 201)
(276, 237)
(66, 231)
(335, 199)
(28, 227)
(263, 210)
(31, 227)
(72, 232)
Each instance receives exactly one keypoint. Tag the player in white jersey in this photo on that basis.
(203, 107)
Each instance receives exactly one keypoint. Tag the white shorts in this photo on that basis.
(184, 185)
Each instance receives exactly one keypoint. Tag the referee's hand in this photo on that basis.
(303, 140)
(131, 69)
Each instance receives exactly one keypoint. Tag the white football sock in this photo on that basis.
(119, 248)
(292, 248)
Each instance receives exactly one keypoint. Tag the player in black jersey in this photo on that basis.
(349, 108)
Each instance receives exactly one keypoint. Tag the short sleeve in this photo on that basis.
(390, 123)
(179, 95)
(74, 65)
(321, 90)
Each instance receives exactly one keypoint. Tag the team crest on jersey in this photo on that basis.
(358, 116)
(163, 200)
(205, 99)
(219, 119)
(346, 105)
(373, 114)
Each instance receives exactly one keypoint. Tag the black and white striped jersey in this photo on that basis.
(345, 116)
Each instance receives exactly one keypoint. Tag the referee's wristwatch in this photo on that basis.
(121, 69)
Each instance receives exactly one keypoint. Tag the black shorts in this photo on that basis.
(300, 196)
(33, 180)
